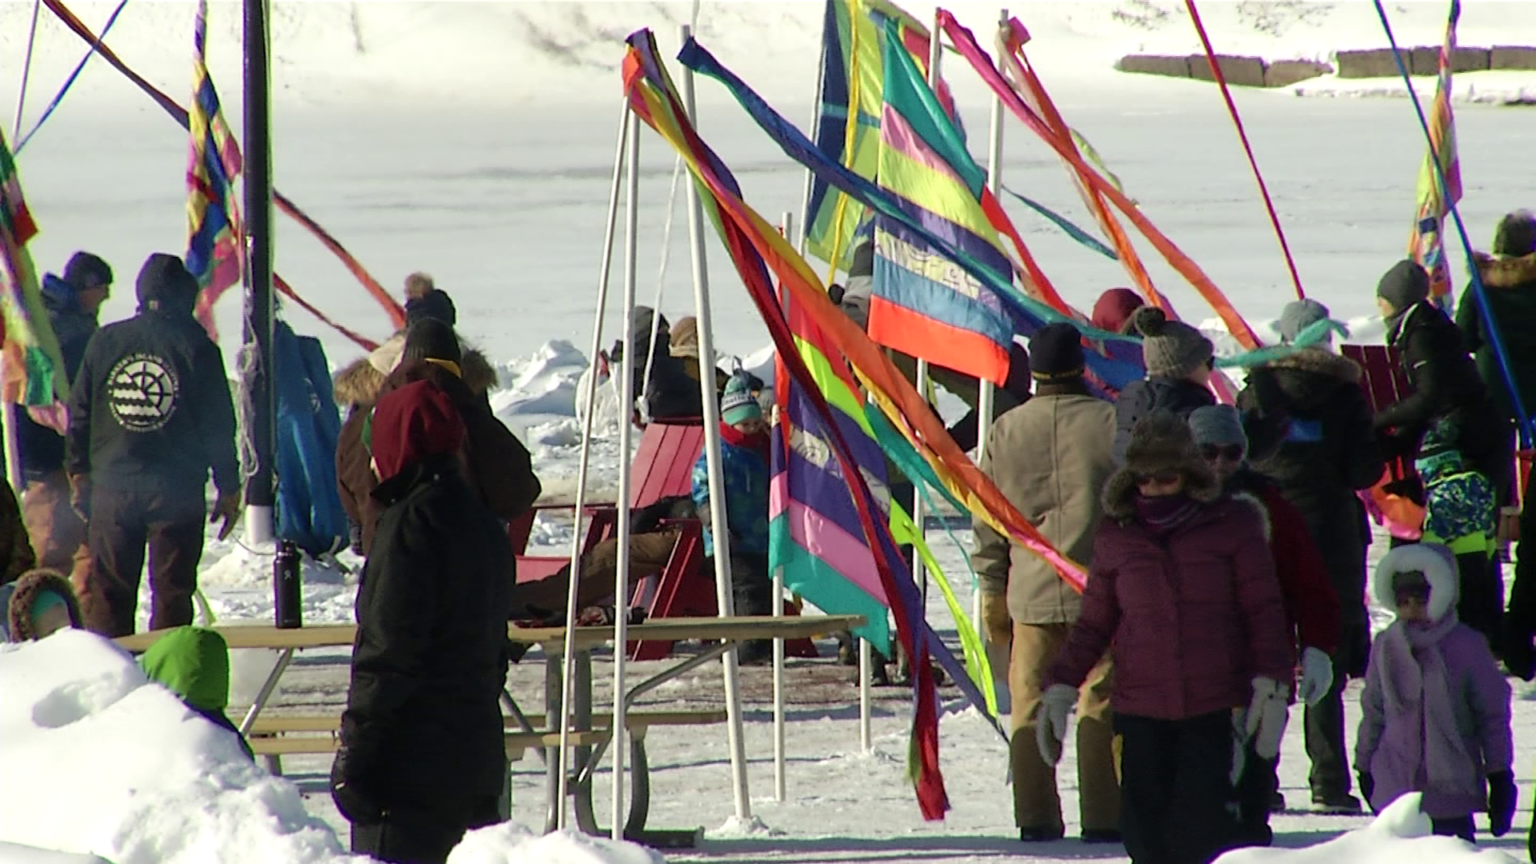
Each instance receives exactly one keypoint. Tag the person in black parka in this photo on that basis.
(1445, 381)
(1509, 280)
(1179, 361)
(421, 758)
(1329, 451)
(150, 416)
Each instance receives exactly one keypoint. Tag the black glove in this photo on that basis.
(1515, 648)
(351, 793)
(1411, 488)
(1367, 786)
(1501, 802)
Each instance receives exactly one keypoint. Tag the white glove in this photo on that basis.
(1316, 675)
(1266, 717)
(1056, 705)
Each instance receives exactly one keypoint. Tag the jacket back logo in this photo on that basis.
(142, 391)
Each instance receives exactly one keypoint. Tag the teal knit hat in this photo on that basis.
(738, 405)
(44, 601)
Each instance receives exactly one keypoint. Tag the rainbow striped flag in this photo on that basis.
(1426, 244)
(848, 115)
(922, 303)
(213, 220)
(33, 373)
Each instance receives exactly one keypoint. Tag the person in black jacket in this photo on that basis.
(57, 533)
(1329, 451)
(1445, 381)
(149, 416)
(1179, 361)
(421, 758)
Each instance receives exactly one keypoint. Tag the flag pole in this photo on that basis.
(259, 489)
(555, 806)
(724, 596)
(778, 612)
(12, 445)
(626, 435)
(987, 403)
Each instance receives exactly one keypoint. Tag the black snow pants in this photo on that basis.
(1255, 792)
(420, 836)
(1177, 802)
(1480, 603)
(123, 525)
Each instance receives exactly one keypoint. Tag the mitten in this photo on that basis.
(1502, 795)
(349, 789)
(1051, 723)
(1367, 788)
(1267, 715)
(1316, 675)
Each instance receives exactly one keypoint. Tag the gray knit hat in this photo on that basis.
(1170, 349)
(1298, 315)
(1220, 425)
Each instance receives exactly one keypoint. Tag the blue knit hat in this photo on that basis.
(738, 405)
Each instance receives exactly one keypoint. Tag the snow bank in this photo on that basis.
(511, 844)
(100, 762)
(1498, 87)
(15, 853)
(1400, 835)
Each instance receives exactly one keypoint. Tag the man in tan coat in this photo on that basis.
(1051, 457)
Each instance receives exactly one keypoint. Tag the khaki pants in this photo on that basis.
(648, 555)
(1036, 803)
(56, 532)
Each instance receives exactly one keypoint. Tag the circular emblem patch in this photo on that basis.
(142, 391)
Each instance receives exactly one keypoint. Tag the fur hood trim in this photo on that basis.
(28, 587)
(357, 384)
(1253, 501)
(1319, 362)
(1433, 560)
(479, 375)
(1501, 272)
(1120, 491)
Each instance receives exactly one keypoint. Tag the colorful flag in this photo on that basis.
(33, 373)
(923, 304)
(1426, 243)
(213, 247)
(852, 51)
(1109, 368)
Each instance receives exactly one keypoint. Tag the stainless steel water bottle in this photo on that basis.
(287, 594)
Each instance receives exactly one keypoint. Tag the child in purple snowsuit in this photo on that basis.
(1435, 712)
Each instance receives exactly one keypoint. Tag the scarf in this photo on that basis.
(1415, 684)
(736, 438)
(1165, 513)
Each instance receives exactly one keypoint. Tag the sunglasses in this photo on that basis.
(1161, 478)
(1227, 452)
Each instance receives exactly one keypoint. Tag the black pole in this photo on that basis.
(259, 490)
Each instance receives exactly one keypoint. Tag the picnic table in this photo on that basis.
(588, 742)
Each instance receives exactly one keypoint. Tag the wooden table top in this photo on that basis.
(663, 629)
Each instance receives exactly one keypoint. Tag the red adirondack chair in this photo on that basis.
(1385, 384)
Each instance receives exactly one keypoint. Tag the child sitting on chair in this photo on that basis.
(1435, 711)
(38, 604)
(744, 464)
(193, 663)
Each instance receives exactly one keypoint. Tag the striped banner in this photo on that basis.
(1426, 243)
(213, 221)
(33, 372)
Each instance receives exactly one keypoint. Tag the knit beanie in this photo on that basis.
(411, 424)
(85, 269)
(1438, 453)
(1516, 235)
(1404, 285)
(738, 405)
(164, 283)
(1056, 353)
(1161, 442)
(1298, 315)
(433, 304)
(1170, 349)
(1114, 309)
(684, 338)
(1220, 425)
(431, 339)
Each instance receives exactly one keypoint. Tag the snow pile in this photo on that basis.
(1400, 835)
(508, 843)
(101, 762)
(238, 584)
(1496, 87)
(542, 384)
(15, 853)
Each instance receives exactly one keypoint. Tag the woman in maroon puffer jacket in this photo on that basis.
(1183, 591)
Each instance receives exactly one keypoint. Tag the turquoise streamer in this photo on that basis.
(1071, 230)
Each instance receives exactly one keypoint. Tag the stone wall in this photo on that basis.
(1375, 63)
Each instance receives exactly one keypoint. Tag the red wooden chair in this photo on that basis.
(1385, 384)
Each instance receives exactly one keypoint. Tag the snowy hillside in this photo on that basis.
(516, 53)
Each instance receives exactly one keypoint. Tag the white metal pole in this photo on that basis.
(626, 132)
(986, 406)
(779, 783)
(626, 432)
(12, 446)
(866, 668)
(724, 595)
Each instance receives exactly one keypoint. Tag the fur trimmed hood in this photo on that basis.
(18, 611)
(1505, 272)
(1318, 362)
(1433, 560)
(1159, 442)
(358, 384)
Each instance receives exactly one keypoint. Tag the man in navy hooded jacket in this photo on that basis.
(57, 534)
